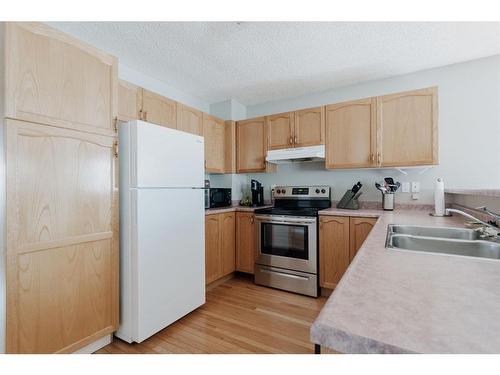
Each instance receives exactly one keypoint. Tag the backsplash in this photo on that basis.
(338, 180)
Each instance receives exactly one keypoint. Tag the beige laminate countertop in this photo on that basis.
(397, 301)
(233, 208)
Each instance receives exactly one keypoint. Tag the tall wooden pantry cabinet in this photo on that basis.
(61, 191)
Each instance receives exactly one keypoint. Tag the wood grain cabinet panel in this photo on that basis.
(230, 147)
(351, 134)
(334, 248)
(189, 120)
(228, 242)
(158, 109)
(213, 260)
(407, 128)
(129, 101)
(245, 242)
(54, 79)
(62, 248)
(280, 131)
(309, 127)
(214, 133)
(251, 145)
(359, 228)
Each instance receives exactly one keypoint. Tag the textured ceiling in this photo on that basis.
(254, 62)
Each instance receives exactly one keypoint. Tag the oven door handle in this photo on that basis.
(264, 219)
(264, 270)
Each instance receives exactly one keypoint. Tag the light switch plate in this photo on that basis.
(415, 187)
(405, 187)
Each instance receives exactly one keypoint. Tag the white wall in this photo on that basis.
(160, 87)
(229, 110)
(469, 131)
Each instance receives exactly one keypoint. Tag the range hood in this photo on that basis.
(296, 155)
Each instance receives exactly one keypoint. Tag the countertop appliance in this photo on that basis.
(257, 193)
(287, 239)
(162, 228)
(219, 197)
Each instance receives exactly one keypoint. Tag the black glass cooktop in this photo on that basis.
(288, 211)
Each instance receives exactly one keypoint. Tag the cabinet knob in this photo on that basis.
(251, 219)
(379, 158)
(372, 158)
(291, 140)
(296, 139)
(140, 114)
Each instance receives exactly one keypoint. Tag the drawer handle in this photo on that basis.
(284, 274)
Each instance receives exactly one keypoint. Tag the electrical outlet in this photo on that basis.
(414, 196)
(405, 187)
(415, 187)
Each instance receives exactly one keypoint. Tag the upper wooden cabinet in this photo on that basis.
(54, 79)
(296, 129)
(309, 127)
(280, 131)
(407, 128)
(158, 109)
(214, 133)
(230, 147)
(351, 134)
(129, 101)
(251, 145)
(189, 120)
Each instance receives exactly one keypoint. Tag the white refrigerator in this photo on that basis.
(162, 230)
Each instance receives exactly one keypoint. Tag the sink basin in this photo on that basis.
(475, 248)
(439, 232)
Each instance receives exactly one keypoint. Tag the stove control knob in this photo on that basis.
(323, 191)
(317, 191)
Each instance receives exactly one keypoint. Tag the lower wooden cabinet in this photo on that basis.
(245, 242)
(340, 237)
(359, 228)
(219, 246)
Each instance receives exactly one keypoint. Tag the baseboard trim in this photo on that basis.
(96, 345)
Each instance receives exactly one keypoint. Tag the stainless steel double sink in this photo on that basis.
(442, 240)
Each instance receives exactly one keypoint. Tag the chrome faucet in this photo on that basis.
(494, 215)
(495, 228)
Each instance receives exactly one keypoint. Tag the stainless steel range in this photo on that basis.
(287, 239)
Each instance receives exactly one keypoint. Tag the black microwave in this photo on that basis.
(218, 197)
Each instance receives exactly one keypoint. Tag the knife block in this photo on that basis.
(349, 201)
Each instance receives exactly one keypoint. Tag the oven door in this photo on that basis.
(287, 242)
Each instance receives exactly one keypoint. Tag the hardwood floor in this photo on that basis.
(238, 317)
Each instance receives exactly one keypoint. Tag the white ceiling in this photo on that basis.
(256, 62)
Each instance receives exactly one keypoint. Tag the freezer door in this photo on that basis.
(170, 256)
(163, 157)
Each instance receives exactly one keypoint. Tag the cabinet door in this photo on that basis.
(54, 79)
(230, 147)
(280, 131)
(189, 120)
(333, 249)
(309, 127)
(359, 228)
(251, 145)
(245, 242)
(62, 253)
(214, 133)
(129, 101)
(158, 110)
(228, 242)
(351, 134)
(213, 263)
(407, 128)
